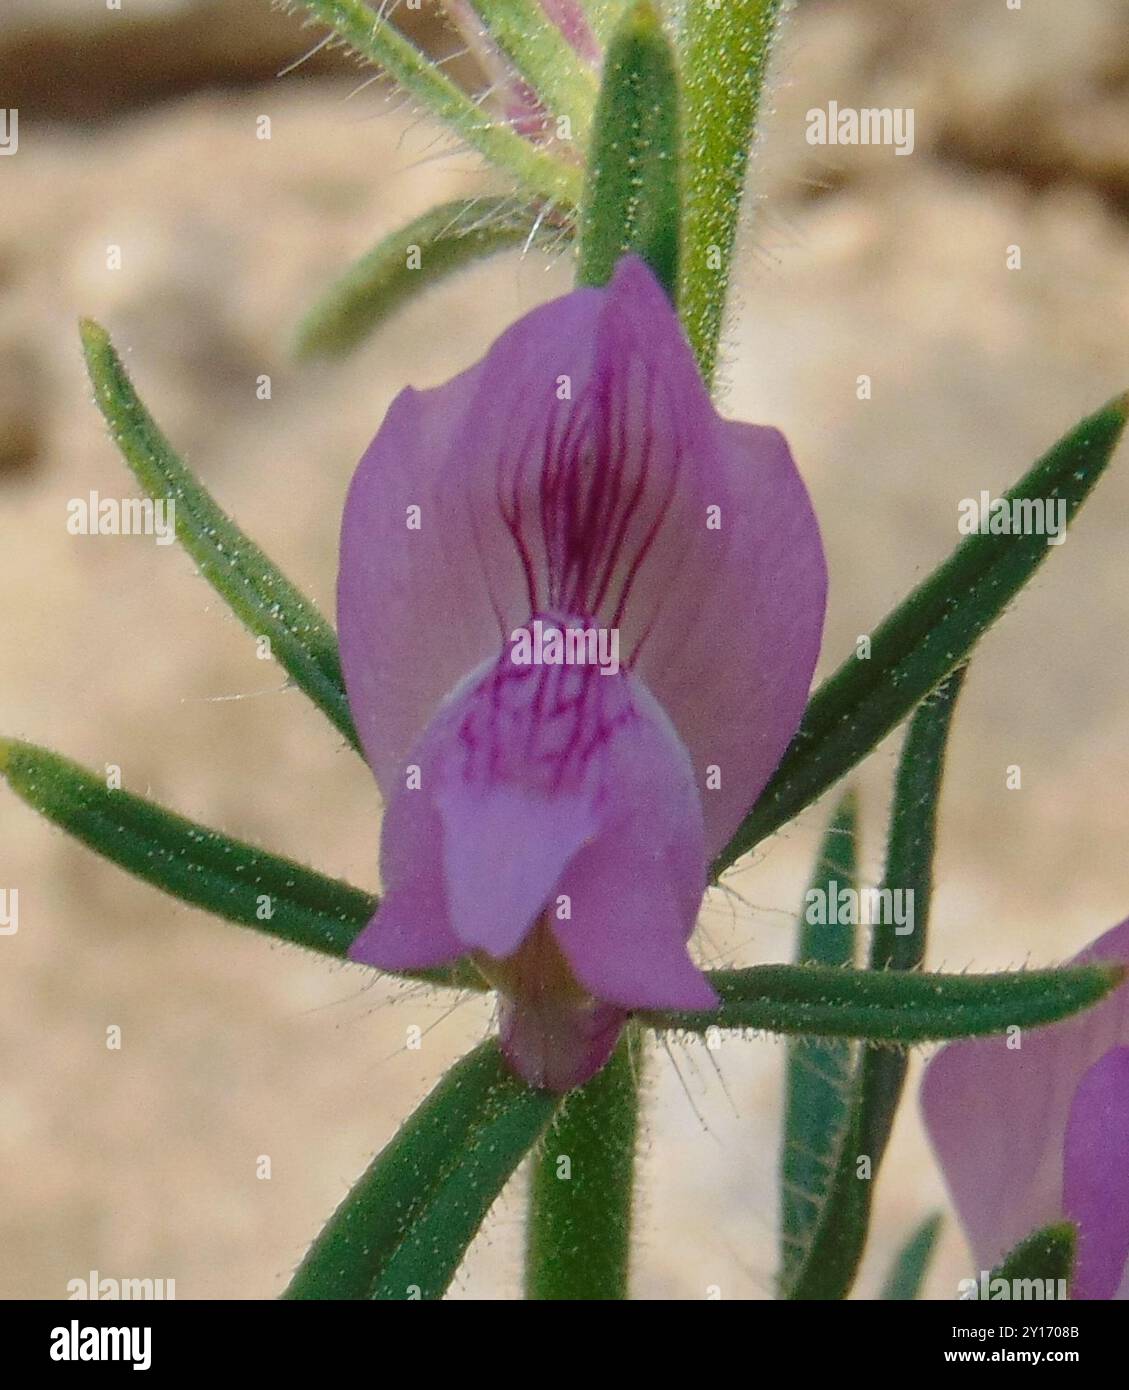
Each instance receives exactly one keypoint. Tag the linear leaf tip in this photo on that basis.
(92, 333)
(641, 19)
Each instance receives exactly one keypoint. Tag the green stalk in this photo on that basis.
(904, 1281)
(725, 56)
(887, 1006)
(581, 1189)
(204, 867)
(378, 40)
(839, 1234)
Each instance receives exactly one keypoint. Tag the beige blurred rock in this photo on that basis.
(92, 59)
(142, 1162)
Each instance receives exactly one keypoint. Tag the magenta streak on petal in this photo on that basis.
(542, 781)
(508, 476)
(1096, 1175)
(521, 791)
(511, 513)
(419, 609)
(594, 477)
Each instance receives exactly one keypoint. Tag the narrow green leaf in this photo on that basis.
(913, 826)
(632, 201)
(925, 637)
(827, 1268)
(199, 865)
(446, 238)
(829, 1262)
(883, 1006)
(839, 1232)
(818, 1075)
(909, 869)
(837, 868)
(376, 38)
(903, 1283)
(583, 1182)
(725, 52)
(1047, 1254)
(545, 58)
(260, 596)
(402, 1231)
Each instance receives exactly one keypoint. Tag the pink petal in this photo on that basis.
(598, 505)
(536, 781)
(476, 825)
(1096, 1175)
(411, 929)
(578, 476)
(626, 941)
(418, 610)
(635, 890)
(763, 608)
(504, 848)
(997, 1117)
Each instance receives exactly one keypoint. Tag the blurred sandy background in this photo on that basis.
(138, 128)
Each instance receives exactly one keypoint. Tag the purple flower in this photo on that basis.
(579, 614)
(1037, 1133)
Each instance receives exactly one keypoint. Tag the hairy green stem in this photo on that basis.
(582, 1186)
